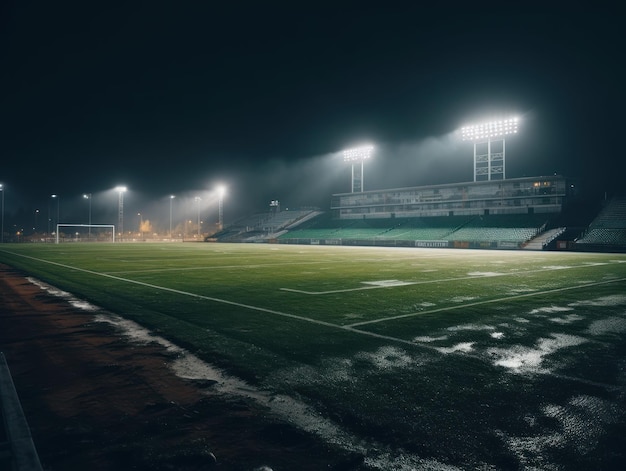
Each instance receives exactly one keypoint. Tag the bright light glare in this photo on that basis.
(221, 190)
(358, 153)
(490, 129)
(121, 189)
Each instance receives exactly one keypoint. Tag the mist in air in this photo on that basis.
(297, 183)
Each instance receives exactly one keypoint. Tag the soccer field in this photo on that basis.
(418, 358)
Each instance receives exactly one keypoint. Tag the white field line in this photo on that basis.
(232, 303)
(348, 328)
(443, 280)
(220, 267)
(184, 293)
(487, 301)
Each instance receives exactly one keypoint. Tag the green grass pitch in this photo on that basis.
(420, 358)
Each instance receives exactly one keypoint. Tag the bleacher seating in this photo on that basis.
(513, 229)
(604, 236)
(608, 229)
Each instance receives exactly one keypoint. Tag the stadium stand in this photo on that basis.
(497, 231)
(607, 232)
(263, 227)
(532, 216)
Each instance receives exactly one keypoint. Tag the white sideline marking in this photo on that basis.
(184, 293)
(351, 327)
(478, 303)
(348, 327)
(232, 303)
(474, 275)
(386, 283)
(220, 267)
(375, 285)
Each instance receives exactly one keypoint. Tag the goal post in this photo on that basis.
(86, 232)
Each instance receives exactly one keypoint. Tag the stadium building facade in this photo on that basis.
(528, 195)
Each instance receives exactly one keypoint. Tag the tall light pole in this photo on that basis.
(58, 198)
(355, 156)
(171, 200)
(87, 196)
(221, 191)
(140, 225)
(197, 200)
(120, 209)
(2, 233)
(488, 162)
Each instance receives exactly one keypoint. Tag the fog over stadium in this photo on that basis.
(262, 98)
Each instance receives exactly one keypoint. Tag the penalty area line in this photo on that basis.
(443, 280)
(487, 301)
(233, 303)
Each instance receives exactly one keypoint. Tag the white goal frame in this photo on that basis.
(110, 226)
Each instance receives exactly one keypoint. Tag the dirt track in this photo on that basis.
(96, 402)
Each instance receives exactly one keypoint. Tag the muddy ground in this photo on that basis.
(95, 401)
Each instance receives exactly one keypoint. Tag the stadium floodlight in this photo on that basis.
(120, 209)
(489, 163)
(58, 199)
(354, 156)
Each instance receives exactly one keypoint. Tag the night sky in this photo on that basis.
(178, 97)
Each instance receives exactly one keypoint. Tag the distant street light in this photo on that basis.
(355, 156)
(490, 163)
(171, 200)
(140, 224)
(120, 209)
(58, 198)
(87, 196)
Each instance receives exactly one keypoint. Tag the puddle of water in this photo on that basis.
(551, 309)
(605, 301)
(610, 325)
(427, 339)
(388, 357)
(569, 319)
(580, 424)
(464, 347)
(462, 299)
(520, 359)
(297, 413)
(458, 328)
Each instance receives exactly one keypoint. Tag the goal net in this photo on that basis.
(85, 233)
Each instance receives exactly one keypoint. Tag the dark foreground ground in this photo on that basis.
(96, 402)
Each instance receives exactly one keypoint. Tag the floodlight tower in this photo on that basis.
(120, 209)
(355, 156)
(488, 162)
(221, 191)
(58, 199)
